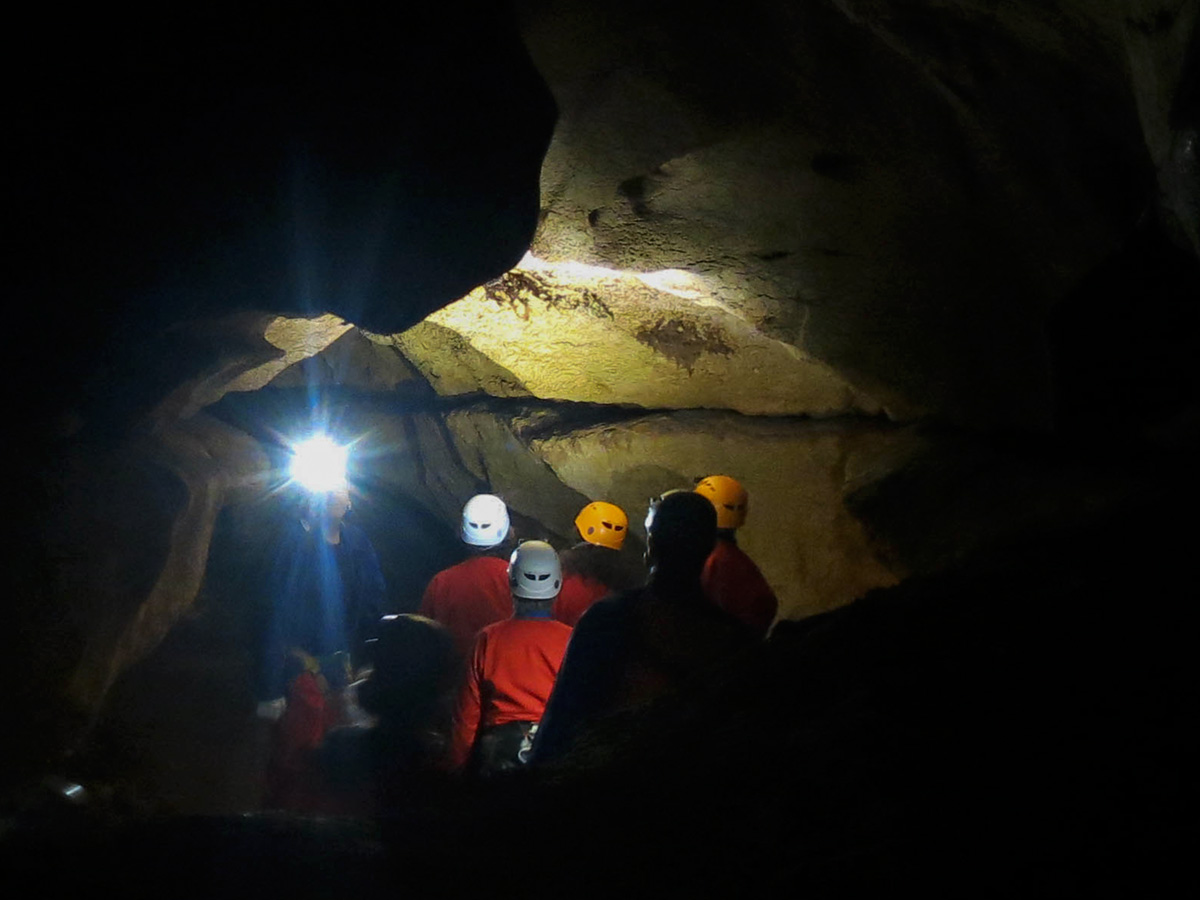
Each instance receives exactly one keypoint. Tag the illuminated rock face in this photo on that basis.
(255, 349)
(813, 552)
(822, 208)
(900, 192)
(589, 335)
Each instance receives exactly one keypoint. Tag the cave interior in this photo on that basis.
(925, 276)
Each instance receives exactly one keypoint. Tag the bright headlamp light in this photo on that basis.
(319, 464)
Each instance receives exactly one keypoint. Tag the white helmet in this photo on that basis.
(534, 572)
(484, 521)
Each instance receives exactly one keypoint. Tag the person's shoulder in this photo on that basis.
(555, 626)
(532, 628)
(610, 610)
(623, 599)
(730, 556)
(462, 566)
(577, 551)
(726, 550)
(496, 628)
(441, 580)
(484, 563)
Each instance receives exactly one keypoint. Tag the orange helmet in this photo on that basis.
(728, 496)
(603, 523)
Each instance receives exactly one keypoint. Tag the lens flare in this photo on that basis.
(319, 464)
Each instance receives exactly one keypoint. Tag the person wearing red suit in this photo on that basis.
(730, 578)
(473, 594)
(512, 669)
(598, 565)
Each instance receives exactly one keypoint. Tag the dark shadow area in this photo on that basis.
(1123, 345)
(1017, 725)
(177, 734)
(370, 162)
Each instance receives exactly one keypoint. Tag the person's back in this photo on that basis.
(598, 565)
(730, 579)
(467, 597)
(590, 573)
(473, 594)
(733, 582)
(648, 642)
(512, 673)
(407, 694)
(512, 669)
(634, 647)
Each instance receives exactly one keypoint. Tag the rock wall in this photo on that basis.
(586, 335)
(131, 539)
(813, 552)
(901, 192)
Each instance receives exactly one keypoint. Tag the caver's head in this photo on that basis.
(328, 506)
(681, 529)
(484, 521)
(603, 524)
(534, 573)
(728, 498)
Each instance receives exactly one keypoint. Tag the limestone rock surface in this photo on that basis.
(133, 535)
(251, 350)
(353, 360)
(900, 192)
(590, 335)
(812, 551)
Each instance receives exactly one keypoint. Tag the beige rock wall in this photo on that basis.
(900, 192)
(252, 349)
(589, 335)
(138, 540)
(812, 551)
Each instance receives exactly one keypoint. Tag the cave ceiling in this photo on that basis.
(869, 208)
(891, 195)
(774, 242)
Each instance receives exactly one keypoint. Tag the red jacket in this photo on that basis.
(733, 582)
(591, 572)
(577, 594)
(510, 677)
(468, 597)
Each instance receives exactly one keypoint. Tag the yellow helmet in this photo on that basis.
(729, 498)
(603, 523)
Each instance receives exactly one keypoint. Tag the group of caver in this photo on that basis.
(539, 646)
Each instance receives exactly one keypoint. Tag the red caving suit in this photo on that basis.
(733, 582)
(468, 597)
(511, 674)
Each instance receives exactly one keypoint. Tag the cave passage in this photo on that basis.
(177, 734)
(923, 276)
